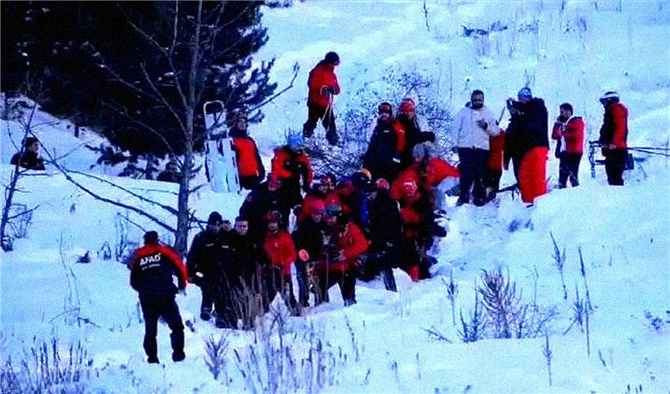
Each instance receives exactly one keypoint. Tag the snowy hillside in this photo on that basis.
(616, 240)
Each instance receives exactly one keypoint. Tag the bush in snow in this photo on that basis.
(356, 122)
(46, 367)
(510, 317)
(302, 361)
(216, 350)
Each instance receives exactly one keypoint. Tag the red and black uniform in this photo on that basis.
(290, 167)
(308, 237)
(614, 131)
(569, 134)
(249, 165)
(527, 144)
(494, 165)
(280, 255)
(322, 85)
(418, 218)
(151, 276)
(345, 240)
(258, 203)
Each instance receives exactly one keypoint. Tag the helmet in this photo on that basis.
(333, 210)
(295, 141)
(609, 96)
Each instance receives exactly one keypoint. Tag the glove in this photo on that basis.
(454, 149)
(482, 123)
(297, 210)
(327, 89)
(510, 103)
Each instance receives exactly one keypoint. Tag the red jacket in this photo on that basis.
(248, 160)
(322, 76)
(436, 171)
(615, 126)
(401, 137)
(286, 164)
(280, 250)
(496, 150)
(571, 135)
(352, 242)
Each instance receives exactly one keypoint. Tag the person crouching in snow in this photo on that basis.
(418, 220)
(343, 243)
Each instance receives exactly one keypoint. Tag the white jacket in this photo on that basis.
(468, 132)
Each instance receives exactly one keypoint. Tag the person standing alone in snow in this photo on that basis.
(323, 86)
(151, 275)
(614, 136)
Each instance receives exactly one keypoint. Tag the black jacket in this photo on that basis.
(259, 202)
(385, 222)
(379, 158)
(28, 160)
(309, 236)
(209, 251)
(528, 128)
(246, 256)
(153, 268)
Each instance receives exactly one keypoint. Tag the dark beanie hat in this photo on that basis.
(332, 57)
(150, 237)
(215, 218)
(385, 107)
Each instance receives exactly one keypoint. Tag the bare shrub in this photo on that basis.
(216, 350)
(280, 363)
(358, 118)
(559, 259)
(501, 302)
(248, 303)
(510, 317)
(472, 330)
(47, 367)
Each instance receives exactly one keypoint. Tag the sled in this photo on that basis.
(220, 160)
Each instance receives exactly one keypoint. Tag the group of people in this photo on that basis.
(359, 226)
(484, 149)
